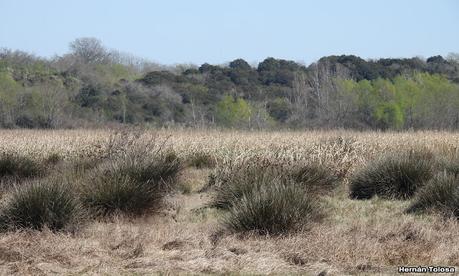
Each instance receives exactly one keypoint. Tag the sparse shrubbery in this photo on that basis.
(440, 194)
(272, 207)
(395, 176)
(46, 203)
(18, 166)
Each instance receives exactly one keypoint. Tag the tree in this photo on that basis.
(233, 112)
(279, 109)
(240, 64)
(8, 99)
(89, 50)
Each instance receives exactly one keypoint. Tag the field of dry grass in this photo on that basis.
(371, 236)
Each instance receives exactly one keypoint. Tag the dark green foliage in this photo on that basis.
(394, 176)
(46, 203)
(440, 194)
(240, 64)
(19, 166)
(130, 185)
(278, 71)
(159, 77)
(273, 207)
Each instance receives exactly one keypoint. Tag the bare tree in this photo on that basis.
(89, 50)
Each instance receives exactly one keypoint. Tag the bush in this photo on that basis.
(131, 185)
(18, 166)
(41, 204)
(441, 194)
(393, 176)
(273, 207)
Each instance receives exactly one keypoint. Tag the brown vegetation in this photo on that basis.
(185, 235)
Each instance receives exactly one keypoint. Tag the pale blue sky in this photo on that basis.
(184, 31)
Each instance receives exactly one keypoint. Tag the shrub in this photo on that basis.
(18, 166)
(274, 207)
(41, 204)
(131, 185)
(393, 176)
(441, 194)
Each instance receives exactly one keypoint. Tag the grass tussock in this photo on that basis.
(201, 160)
(394, 176)
(269, 197)
(132, 182)
(274, 207)
(316, 178)
(45, 203)
(449, 165)
(231, 180)
(18, 166)
(440, 194)
(377, 233)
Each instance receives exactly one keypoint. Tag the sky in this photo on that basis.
(217, 31)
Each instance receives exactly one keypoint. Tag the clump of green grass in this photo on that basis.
(18, 166)
(46, 203)
(273, 207)
(440, 194)
(395, 176)
(132, 184)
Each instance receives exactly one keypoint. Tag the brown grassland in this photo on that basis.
(355, 236)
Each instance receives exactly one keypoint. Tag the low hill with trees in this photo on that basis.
(92, 86)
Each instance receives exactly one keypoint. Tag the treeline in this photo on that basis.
(92, 85)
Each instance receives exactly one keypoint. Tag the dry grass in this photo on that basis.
(373, 236)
